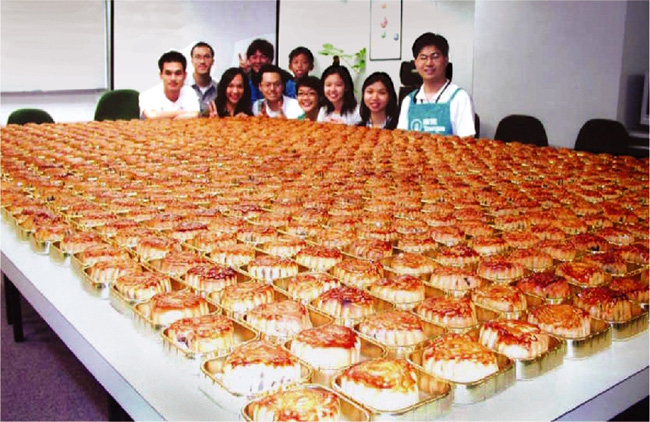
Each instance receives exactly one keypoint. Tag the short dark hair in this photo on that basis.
(349, 102)
(172, 57)
(429, 38)
(271, 68)
(302, 50)
(202, 44)
(244, 104)
(263, 46)
(311, 82)
(392, 110)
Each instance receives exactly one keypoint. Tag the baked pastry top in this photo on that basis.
(393, 328)
(459, 358)
(562, 320)
(300, 404)
(502, 298)
(327, 347)
(514, 338)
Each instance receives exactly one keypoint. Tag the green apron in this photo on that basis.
(430, 117)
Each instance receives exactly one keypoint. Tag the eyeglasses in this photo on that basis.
(306, 94)
(272, 85)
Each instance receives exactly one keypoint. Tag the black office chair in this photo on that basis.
(29, 115)
(120, 104)
(521, 128)
(602, 136)
(477, 125)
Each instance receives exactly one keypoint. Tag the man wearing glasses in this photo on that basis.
(202, 56)
(275, 104)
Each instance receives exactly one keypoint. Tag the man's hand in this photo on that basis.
(244, 64)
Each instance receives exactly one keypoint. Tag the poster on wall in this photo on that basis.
(385, 29)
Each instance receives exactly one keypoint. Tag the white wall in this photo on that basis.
(346, 25)
(559, 61)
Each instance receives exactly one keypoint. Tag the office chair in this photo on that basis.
(477, 125)
(120, 104)
(521, 128)
(29, 115)
(602, 136)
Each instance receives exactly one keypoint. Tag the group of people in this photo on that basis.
(259, 88)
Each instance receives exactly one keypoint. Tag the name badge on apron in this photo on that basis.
(430, 117)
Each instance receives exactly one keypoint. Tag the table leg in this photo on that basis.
(115, 411)
(8, 299)
(17, 317)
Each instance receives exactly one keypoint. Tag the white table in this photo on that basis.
(150, 384)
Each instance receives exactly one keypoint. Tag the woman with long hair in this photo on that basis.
(378, 106)
(338, 90)
(233, 95)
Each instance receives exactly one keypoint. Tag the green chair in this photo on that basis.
(120, 104)
(29, 115)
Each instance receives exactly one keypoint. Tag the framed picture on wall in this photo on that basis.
(385, 29)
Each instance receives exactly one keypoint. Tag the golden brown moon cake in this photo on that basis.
(448, 312)
(561, 320)
(383, 384)
(546, 285)
(405, 291)
(308, 286)
(282, 319)
(285, 246)
(610, 262)
(371, 249)
(499, 269)
(156, 247)
(269, 267)
(300, 404)
(77, 242)
(99, 253)
(455, 278)
(209, 241)
(318, 258)
(636, 253)
(604, 303)
(634, 288)
(348, 303)
(393, 328)
(458, 358)
(259, 366)
(234, 255)
(581, 273)
(514, 338)
(203, 334)
(168, 307)
(210, 277)
(358, 272)
(105, 272)
(142, 286)
(502, 298)
(533, 259)
(241, 298)
(488, 245)
(411, 264)
(558, 249)
(327, 347)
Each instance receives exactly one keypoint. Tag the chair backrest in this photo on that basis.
(521, 128)
(602, 135)
(120, 104)
(477, 125)
(29, 115)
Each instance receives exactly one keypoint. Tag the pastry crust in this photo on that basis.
(203, 334)
(259, 366)
(99, 253)
(405, 291)
(371, 249)
(393, 328)
(457, 256)
(546, 285)
(327, 347)
(210, 277)
(500, 298)
(454, 279)
(208, 241)
(610, 262)
(634, 289)
(561, 320)
(142, 286)
(500, 269)
(345, 302)
(604, 303)
(303, 404)
(488, 245)
(168, 307)
(533, 259)
(308, 286)
(589, 242)
(382, 384)
(558, 249)
(448, 312)
(284, 246)
(269, 267)
(636, 253)
(514, 338)
(581, 273)
(458, 358)
(241, 298)
(283, 319)
(447, 235)
(358, 272)
(234, 255)
(318, 258)
(411, 264)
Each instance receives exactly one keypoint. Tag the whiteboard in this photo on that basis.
(53, 45)
(144, 30)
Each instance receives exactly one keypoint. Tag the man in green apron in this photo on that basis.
(438, 106)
